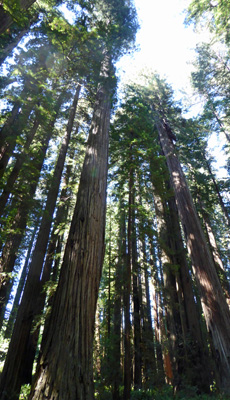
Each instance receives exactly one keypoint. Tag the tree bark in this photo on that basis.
(136, 298)
(198, 362)
(215, 253)
(21, 285)
(214, 304)
(18, 367)
(117, 381)
(16, 169)
(149, 360)
(13, 241)
(127, 290)
(65, 369)
(5, 129)
(9, 133)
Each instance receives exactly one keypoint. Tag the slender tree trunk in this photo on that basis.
(65, 369)
(216, 186)
(54, 249)
(16, 170)
(97, 346)
(174, 326)
(136, 308)
(6, 126)
(14, 37)
(21, 284)
(11, 246)
(17, 367)
(215, 253)
(11, 132)
(127, 291)
(196, 347)
(109, 278)
(156, 296)
(117, 380)
(149, 360)
(215, 308)
(218, 119)
(215, 183)
(163, 372)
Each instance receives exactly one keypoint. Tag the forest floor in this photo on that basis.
(166, 393)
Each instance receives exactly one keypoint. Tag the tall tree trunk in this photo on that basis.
(136, 306)
(13, 38)
(215, 252)
(217, 189)
(5, 129)
(215, 308)
(16, 169)
(171, 305)
(160, 336)
(117, 381)
(109, 279)
(127, 290)
(149, 360)
(21, 285)
(215, 183)
(197, 352)
(156, 296)
(9, 135)
(17, 367)
(13, 241)
(65, 370)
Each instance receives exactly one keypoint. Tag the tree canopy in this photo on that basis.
(114, 243)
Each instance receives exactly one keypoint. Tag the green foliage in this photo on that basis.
(13, 8)
(4, 343)
(103, 392)
(166, 393)
(214, 14)
(25, 391)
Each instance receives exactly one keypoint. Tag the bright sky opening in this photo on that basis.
(166, 45)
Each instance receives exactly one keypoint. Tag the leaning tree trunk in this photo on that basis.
(215, 308)
(215, 252)
(197, 347)
(17, 369)
(65, 370)
(17, 167)
(10, 134)
(21, 284)
(13, 37)
(4, 132)
(11, 245)
(171, 304)
(215, 183)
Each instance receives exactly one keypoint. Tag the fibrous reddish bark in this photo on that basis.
(65, 369)
(19, 361)
(215, 308)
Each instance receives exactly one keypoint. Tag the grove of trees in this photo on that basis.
(114, 240)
